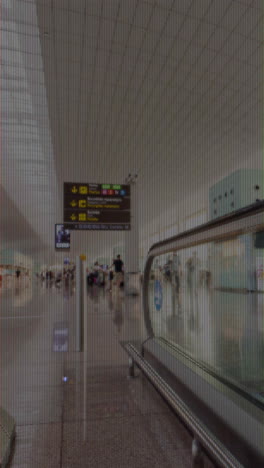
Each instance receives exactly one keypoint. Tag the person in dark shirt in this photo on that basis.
(119, 266)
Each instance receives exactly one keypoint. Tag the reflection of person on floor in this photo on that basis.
(175, 277)
(118, 317)
(115, 303)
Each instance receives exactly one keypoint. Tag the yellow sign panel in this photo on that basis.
(82, 203)
(83, 257)
(82, 216)
(83, 189)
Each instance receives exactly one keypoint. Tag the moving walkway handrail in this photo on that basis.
(201, 433)
(238, 218)
(248, 219)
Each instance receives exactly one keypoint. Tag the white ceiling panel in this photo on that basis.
(158, 19)
(182, 7)
(174, 23)
(188, 28)
(110, 9)
(92, 24)
(233, 15)
(143, 14)
(93, 7)
(199, 9)
(77, 5)
(23, 11)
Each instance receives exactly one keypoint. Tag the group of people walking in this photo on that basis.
(106, 276)
(57, 278)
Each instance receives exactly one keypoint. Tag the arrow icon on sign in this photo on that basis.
(73, 217)
(73, 203)
(74, 189)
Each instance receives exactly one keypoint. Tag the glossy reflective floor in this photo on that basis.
(80, 409)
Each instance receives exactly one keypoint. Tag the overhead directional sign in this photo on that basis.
(96, 206)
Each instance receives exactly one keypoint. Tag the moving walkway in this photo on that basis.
(203, 296)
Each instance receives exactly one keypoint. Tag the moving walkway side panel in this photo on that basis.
(234, 396)
(241, 416)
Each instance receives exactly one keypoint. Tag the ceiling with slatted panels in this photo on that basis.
(92, 90)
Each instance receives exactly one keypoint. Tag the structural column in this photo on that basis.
(132, 273)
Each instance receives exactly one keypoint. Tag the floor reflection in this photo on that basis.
(69, 406)
(126, 311)
(116, 305)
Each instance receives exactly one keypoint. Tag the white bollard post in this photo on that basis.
(84, 310)
(79, 304)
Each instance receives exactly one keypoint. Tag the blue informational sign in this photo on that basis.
(158, 296)
(62, 237)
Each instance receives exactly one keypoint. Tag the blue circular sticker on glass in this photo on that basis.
(158, 297)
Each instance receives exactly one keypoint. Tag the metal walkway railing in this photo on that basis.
(203, 439)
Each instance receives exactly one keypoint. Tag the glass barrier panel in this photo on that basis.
(208, 301)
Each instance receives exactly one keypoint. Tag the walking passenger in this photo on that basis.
(18, 272)
(119, 267)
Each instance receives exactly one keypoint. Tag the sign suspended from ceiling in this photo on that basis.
(103, 207)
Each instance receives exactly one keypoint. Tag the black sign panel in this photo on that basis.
(98, 227)
(96, 206)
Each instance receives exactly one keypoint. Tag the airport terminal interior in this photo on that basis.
(132, 234)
